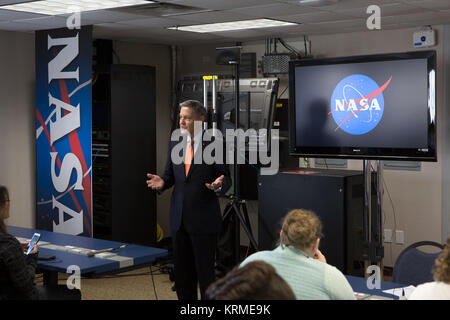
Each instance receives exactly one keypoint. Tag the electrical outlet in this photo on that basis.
(399, 237)
(387, 235)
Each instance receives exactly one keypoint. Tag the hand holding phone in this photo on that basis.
(33, 242)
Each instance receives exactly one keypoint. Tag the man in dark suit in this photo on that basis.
(195, 217)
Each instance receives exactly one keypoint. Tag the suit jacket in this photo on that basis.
(192, 202)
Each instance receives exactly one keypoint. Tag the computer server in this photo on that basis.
(123, 151)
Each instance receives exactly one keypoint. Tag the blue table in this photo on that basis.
(360, 285)
(130, 257)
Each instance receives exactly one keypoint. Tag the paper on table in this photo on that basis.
(400, 292)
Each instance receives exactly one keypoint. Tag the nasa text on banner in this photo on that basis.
(63, 130)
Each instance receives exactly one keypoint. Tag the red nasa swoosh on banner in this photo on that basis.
(42, 122)
(370, 96)
(77, 150)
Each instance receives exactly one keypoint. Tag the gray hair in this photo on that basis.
(197, 106)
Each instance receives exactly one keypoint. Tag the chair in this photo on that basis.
(414, 266)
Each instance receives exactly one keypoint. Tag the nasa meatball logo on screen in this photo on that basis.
(357, 104)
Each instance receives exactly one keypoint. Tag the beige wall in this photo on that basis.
(17, 125)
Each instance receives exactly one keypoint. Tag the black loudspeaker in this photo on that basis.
(228, 55)
(336, 196)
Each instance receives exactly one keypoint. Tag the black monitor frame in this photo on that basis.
(376, 153)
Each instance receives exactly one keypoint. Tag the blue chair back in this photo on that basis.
(414, 266)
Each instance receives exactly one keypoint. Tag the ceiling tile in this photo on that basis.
(354, 23)
(150, 25)
(152, 22)
(108, 16)
(220, 4)
(278, 9)
(10, 15)
(19, 26)
(319, 16)
(386, 10)
(430, 4)
(7, 2)
(116, 27)
(212, 17)
(180, 39)
(115, 31)
(49, 22)
(420, 18)
(345, 4)
(421, 23)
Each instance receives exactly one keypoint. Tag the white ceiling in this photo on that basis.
(148, 23)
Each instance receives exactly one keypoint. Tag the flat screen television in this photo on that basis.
(364, 107)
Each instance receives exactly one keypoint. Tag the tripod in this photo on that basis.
(236, 205)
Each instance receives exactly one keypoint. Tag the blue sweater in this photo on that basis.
(310, 279)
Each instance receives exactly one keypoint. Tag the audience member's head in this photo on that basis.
(4, 208)
(256, 280)
(301, 229)
(442, 272)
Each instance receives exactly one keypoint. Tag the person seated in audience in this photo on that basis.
(255, 281)
(439, 289)
(300, 263)
(17, 270)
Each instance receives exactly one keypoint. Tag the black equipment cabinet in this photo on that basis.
(336, 196)
(124, 150)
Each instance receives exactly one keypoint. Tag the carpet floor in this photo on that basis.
(138, 284)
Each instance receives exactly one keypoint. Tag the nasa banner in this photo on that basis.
(63, 130)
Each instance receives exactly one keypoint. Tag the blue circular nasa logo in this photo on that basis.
(357, 104)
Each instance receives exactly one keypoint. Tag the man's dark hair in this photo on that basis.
(197, 106)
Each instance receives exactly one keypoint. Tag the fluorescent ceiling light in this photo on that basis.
(186, 12)
(57, 7)
(235, 25)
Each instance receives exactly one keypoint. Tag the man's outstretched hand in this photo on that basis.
(155, 182)
(216, 184)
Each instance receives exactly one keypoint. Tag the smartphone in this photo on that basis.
(34, 240)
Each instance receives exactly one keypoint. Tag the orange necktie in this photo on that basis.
(189, 157)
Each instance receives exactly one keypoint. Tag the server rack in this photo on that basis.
(124, 150)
